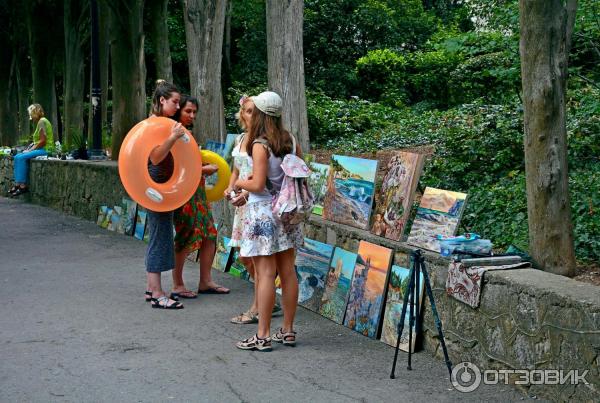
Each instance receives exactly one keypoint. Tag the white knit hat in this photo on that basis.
(268, 102)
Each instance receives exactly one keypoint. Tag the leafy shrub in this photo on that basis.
(384, 71)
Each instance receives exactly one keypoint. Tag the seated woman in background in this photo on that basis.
(42, 139)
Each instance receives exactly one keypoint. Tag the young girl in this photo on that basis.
(42, 140)
(160, 254)
(243, 169)
(270, 244)
(194, 226)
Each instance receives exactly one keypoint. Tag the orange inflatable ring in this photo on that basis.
(133, 165)
(215, 192)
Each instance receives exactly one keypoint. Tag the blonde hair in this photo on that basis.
(239, 115)
(35, 111)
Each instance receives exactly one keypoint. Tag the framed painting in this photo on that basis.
(317, 181)
(350, 189)
(312, 266)
(366, 297)
(337, 285)
(439, 213)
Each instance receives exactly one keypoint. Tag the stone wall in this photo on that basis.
(527, 319)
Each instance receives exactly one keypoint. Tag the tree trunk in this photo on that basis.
(159, 38)
(286, 63)
(226, 81)
(8, 117)
(42, 41)
(128, 68)
(546, 27)
(76, 20)
(103, 37)
(23, 77)
(204, 26)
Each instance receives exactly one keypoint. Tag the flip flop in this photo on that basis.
(214, 290)
(187, 294)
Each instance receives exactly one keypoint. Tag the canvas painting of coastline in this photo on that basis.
(397, 287)
(337, 285)
(222, 254)
(312, 265)
(140, 223)
(365, 300)
(439, 213)
(318, 184)
(397, 194)
(128, 220)
(350, 190)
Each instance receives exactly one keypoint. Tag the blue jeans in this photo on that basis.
(21, 166)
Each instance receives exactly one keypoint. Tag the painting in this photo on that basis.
(312, 265)
(439, 213)
(215, 146)
(140, 223)
(397, 287)
(238, 266)
(107, 218)
(115, 218)
(102, 210)
(222, 254)
(395, 200)
(229, 144)
(317, 181)
(366, 297)
(337, 285)
(350, 189)
(128, 220)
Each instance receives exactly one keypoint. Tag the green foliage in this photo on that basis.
(385, 72)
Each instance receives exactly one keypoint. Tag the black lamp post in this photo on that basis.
(96, 152)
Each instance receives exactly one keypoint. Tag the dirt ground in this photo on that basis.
(588, 273)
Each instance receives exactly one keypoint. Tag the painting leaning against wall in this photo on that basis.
(337, 285)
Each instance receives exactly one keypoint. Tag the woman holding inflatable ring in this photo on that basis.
(194, 225)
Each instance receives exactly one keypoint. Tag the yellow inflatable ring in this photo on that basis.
(215, 192)
(133, 165)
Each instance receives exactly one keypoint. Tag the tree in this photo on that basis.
(8, 100)
(76, 22)
(104, 42)
(286, 64)
(204, 29)
(546, 30)
(42, 18)
(128, 68)
(158, 33)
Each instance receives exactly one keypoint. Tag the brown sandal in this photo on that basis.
(245, 318)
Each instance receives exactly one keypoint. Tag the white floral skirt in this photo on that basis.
(236, 227)
(263, 235)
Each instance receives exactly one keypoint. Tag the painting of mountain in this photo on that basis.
(439, 213)
(350, 190)
(395, 200)
(365, 301)
(312, 265)
(397, 287)
(337, 285)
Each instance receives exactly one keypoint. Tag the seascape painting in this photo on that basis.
(395, 200)
(350, 190)
(439, 213)
(317, 181)
(312, 265)
(397, 287)
(365, 301)
(337, 285)
(115, 218)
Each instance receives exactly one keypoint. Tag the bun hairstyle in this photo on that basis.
(165, 90)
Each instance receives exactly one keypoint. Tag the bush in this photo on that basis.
(385, 72)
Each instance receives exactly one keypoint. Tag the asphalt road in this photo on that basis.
(75, 328)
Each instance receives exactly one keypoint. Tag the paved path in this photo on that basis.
(74, 327)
